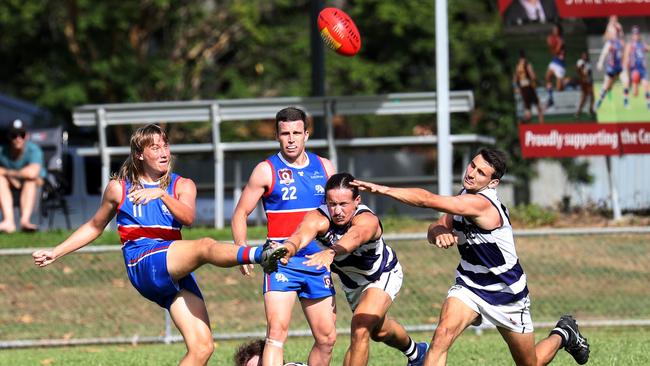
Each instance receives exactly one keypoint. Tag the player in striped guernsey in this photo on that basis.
(490, 282)
(290, 184)
(152, 204)
(371, 275)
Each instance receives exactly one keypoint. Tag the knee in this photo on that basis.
(278, 332)
(443, 337)
(202, 349)
(326, 340)
(205, 244)
(360, 330)
(379, 335)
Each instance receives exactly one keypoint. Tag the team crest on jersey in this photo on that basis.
(286, 176)
(281, 277)
(319, 189)
(327, 280)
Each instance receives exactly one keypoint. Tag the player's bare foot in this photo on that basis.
(7, 227)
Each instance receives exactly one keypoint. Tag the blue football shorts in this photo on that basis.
(306, 281)
(146, 266)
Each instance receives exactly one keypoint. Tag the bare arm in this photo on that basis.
(603, 54)
(313, 224)
(87, 232)
(440, 233)
(29, 172)
(182, 208)
(259, 181)
(329, 167)
(364, 228)
(473, 206)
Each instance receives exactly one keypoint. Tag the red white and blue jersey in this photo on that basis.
(614, 59)
(637, 56)
(489, 265)
(150, 221)
(294, 191)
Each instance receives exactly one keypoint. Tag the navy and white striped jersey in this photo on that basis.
(489, 265)
(363, 265)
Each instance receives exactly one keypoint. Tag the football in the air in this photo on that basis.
(339, 31)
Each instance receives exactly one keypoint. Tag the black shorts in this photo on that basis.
(529, 95)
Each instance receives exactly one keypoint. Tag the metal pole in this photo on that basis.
(616, 206)
(218, 167)
(103, 153)
(317, 64)
(445, 172)
(328, 105)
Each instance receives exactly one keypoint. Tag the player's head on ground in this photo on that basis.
(341, 198)
(485, 170)
(292, 132)
(250, 354)
(149, 157)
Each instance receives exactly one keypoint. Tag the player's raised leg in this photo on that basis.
(185, 256)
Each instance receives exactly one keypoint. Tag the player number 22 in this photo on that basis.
(289, 193)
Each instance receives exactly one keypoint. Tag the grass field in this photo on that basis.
(609, 346)
(87, 295)
(612, 109)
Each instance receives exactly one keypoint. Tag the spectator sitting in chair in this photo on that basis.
(21, 174)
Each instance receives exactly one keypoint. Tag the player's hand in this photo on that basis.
(370, 187)
(284, 260)
(246, 269)
(441, 237)
(321, 259)
(145, 195)
(43, 257)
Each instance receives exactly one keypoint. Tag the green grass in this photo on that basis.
(609, 346)
(612, 108)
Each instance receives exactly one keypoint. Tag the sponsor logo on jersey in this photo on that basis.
(165, 210)
(319, 189)
(327, 280)
(280, 277)
(317, 175)
(285, 176)
(301, 173)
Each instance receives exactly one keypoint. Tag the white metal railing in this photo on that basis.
(217, 111)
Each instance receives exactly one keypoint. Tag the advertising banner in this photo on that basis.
(565, 140)
(602, 8)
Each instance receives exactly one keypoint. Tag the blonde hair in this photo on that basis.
(131, 169)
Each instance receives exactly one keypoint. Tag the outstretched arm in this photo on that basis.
(473, 206)
(364, 228)
(87, 232)
(313, 224)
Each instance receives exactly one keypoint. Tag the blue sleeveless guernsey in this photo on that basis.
(146, 231)
(294, 191)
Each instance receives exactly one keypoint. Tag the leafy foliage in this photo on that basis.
(63, 54)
